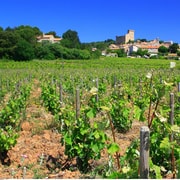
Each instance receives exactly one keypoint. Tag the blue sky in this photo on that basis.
(96, 20)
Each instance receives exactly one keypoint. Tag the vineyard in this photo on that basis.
(82, 118)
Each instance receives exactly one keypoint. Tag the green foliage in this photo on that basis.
(163, 49)
(178, 169)
(129, 163)
(54, 51)
(79, 54)
(121, 112)
(83, 141)
(113, 148)
(8, 41)
(100, 45)
(18, 43)
(120, 52)
(70, 39)
(28, 33)
(23, 51)
(10, 119)
(44, 52)
(161, 147)
(155, 171)
(141, 52)
(8, 138)
(132, 98)
(50, 99)
(173, 48)
(95, 54)
(178, 53)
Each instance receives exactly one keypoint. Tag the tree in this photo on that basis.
(8, 41)
(28, 33)
(141, 52)
(173, 48)
(142, 40)
(1, 29)
(109, 41)
(86, 46)
(101, 45)
(95, 54)
(178, 53)
(44, 52)
(70, 39)
(163, 49)
(9, 29)
(120, 52)
(23, 51)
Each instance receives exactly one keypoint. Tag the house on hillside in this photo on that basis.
(48, 37)
(150, 49)
(113, 46)
(132, 48)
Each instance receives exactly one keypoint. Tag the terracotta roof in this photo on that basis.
(149, 47)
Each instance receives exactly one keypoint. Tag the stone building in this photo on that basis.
(126, 38)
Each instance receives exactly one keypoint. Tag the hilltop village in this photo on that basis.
(129, 45)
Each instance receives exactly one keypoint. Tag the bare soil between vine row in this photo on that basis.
(39, 153)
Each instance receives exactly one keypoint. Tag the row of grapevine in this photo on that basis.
(11, 114)
(100, 105)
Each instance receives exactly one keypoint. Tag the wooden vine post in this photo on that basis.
(144, 152)
(60, 93)
(114, 81)
(77, 104)
(171, 121)
(97, 86)
(171, 114)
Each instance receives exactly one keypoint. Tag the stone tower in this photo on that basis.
(126, 38)
(129, 36)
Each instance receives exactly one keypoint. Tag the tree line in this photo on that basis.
(20, 44)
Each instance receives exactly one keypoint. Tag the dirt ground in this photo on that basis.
(39, 153)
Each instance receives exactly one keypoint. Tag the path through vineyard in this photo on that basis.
(38, 152)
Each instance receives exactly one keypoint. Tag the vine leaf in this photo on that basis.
(175, 128)
(90, 114)
(113, 147)
(165, 144)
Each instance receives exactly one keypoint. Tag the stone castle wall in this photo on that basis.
(129, 36)
(126, 38)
